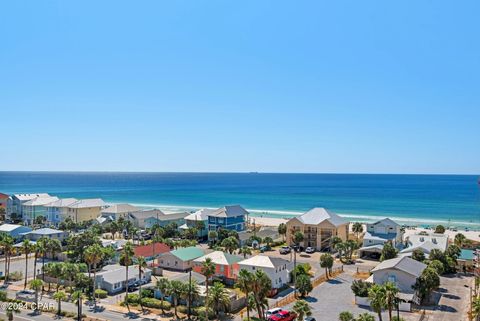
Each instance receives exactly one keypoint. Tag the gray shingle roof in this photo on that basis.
(120, 208)
(319, 214)
(404, 264)
(229, 211)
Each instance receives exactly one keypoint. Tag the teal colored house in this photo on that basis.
(231, 217)
(181, 259)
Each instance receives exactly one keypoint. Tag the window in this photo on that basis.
(392, 278)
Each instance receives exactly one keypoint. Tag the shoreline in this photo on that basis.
(263, 214)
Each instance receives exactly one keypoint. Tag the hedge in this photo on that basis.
(155, 303)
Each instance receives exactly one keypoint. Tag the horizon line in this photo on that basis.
(232, 172)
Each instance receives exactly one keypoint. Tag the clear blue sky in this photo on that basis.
(277, 86)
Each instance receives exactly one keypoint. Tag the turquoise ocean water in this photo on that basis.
(413, 199)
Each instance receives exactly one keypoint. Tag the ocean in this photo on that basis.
(453, 200)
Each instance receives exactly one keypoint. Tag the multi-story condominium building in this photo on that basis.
(35, 208)
(277, 269)
(231, 217)
(15, 202)
(57, 210)
(318, 226)
(117, 211)
(84, 210)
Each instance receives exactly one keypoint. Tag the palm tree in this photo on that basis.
(190, 294)
(94, 255)
(60, 296)
(230, 244)
(57, 270)
(126, 257)
(162, 286)
(7, 244)
(36, 285)
(27, 248)
(219, 296)
(376, 294)
(357, 228)
(208, 269)
(268, 240)
(142, 265)
(282, 230)
(261, 286)
(297, 239)
(42, 250)
(391, 292)
(175, 289)
(302, 309)
(213, 235)
(460, 240)
(69, 272)
(476, 308)
(77, 297)
(365, 317)
(346, 316)
(245, 250)
(326, 262)
(53, 246)
(244, 283)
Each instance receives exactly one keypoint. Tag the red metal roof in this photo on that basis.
(147, 250)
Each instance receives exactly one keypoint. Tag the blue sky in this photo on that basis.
(277, 86)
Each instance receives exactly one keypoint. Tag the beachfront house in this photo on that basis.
(57, 210)
(231, 217)
(114, 212)
(318, 226)
(426, 242)
(15, 202)
(198, 220)
(84, 210)
(181, 259)
(35, 208)
(14, 230)
(277, 269)
(379, 233)
(149, 218)
(226, 265)
(112, 277)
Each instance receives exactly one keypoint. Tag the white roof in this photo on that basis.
(437, 240)
(45, 231)
(404, 264)
(41, 201)
(62, 202)
(264, 261)
(91, 202)
(229, 211)
(200, 215)
(318, 215)
(387, 221)
(27, 197)
(120, 208)
(9, 227)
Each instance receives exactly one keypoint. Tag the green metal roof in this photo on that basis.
(188, 253)
(466, 255)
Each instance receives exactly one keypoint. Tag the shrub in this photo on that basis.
(440, 229)
(360, 288)
(15, 276)
(437, 266)
(133, 298)
(101, 294)
(155, 303)
(147, 293)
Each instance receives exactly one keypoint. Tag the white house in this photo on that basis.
(119, 210)
(379, 233)
(425, 242)
(14, 230)
(112, 277)
(15, 202)
(277, 269)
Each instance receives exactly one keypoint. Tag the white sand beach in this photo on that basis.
(472, 235)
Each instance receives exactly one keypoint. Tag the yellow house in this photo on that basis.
(318, 226)
(84, 210)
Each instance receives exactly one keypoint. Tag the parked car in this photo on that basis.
(25, 295)
(297, 248)
(264, 248)
(309, 319)
(273, 311)
(285, 250)
(132, 289)
(283, 316)
(309, 249)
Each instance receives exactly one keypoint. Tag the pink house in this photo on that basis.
(226, 265)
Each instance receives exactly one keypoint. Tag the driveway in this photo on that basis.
(452, 298)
